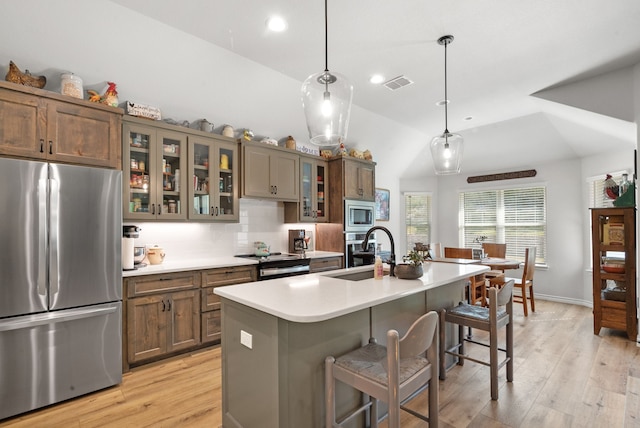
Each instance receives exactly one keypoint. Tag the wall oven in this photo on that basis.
(359, 216)
(354, 254)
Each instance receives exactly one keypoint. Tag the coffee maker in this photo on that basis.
(129, 232)
(296, 241)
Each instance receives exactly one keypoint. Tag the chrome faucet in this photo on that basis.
(392, 257)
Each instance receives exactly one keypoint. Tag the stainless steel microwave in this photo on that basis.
(358, 215)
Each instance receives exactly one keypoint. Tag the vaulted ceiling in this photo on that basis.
(504, 52)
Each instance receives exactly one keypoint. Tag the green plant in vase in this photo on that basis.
(412, 266)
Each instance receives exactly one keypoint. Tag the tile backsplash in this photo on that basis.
(259, 221)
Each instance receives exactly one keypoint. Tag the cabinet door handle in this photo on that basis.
(169, 302)
(212, 211)
(164, 306)
(159, 209)
(276, 188)
(50, 147)
(153, 209)
(217, 211)
(41, 145)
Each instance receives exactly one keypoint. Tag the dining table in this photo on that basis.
(496, 263)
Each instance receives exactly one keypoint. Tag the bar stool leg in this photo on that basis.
(329, 393)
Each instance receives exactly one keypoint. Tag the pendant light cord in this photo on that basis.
(326, 39)
(446, 100)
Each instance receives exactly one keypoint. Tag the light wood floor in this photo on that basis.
(564, 377)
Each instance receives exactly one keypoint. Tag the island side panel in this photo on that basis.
(303, 349)
(249, 376)
(280, 381)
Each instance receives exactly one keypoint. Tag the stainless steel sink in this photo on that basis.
(357, 276)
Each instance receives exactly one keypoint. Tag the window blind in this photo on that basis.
(516, 217)
(417, 219)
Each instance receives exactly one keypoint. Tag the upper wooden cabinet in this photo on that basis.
(154, 172)
(44, 125)
(359, 179)
(314, 193)
(214, 165)
(349, 178)
(176, 173)
(270, 172)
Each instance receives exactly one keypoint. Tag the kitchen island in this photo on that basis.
(277, 333)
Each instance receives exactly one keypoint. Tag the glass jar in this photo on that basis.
(624, 184)
(172, 206)
(71, 85)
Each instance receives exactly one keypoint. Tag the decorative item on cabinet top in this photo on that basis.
(14, 75)
(141, 110)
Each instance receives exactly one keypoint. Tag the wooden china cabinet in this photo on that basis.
(613, 236)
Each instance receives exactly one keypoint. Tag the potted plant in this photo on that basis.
(412, 266)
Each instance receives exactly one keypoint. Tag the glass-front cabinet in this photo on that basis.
(213, 166)
(314, 188)
(154, 187)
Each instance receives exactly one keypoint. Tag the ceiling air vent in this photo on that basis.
(397, 83)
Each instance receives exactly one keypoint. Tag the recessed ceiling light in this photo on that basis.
(376, 79)
(276, 24)
(468, 118)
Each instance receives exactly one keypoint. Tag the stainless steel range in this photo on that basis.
(279, 265)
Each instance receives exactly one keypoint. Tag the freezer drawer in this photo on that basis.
(54, 356)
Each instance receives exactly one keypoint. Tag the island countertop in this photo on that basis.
(322, 296)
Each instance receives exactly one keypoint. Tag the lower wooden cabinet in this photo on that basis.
(212, 278)
(161, 324)
(325, 264)
(167, 314)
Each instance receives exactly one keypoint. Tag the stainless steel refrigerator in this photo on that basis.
(60, 283)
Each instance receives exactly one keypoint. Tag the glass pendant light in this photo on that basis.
(446, 149)
(326, 99)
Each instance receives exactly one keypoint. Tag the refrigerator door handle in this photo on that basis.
(54, 233)
(42, 235)
(54, 317)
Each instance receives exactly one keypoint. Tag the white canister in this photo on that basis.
(71, 85)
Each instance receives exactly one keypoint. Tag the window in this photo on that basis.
(517, 217)
(417, 208)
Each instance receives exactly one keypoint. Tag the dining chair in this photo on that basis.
(526, 282)
(476, 283)
(494, 250)
(393, 374)
(458, 253)
(499, 251)
(436, 249)
(498, 314)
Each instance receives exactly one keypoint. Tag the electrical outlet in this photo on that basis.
(246, 339)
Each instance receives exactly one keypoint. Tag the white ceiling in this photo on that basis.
(503, 52)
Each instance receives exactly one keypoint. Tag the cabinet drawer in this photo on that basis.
(149, 284)
(228, 276)
(211, 326)
(210, 300)
(321, 265)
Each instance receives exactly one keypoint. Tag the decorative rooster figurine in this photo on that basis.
(109, 98)
(610, 188)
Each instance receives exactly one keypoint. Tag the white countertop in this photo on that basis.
(319, 297)
(177, 264)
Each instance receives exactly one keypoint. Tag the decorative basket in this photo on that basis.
(406, 271)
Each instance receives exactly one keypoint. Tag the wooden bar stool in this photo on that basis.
(393, 374)
(499, 314)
